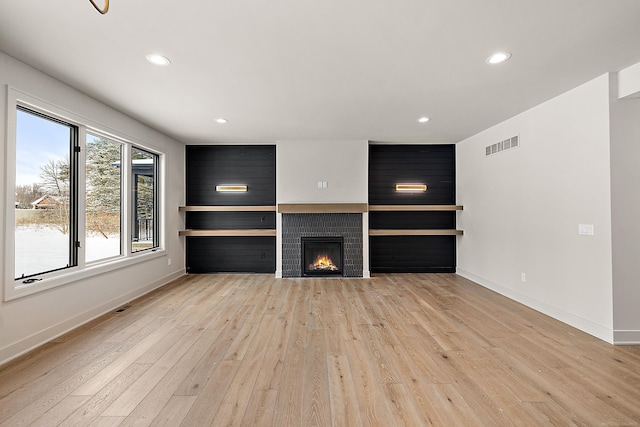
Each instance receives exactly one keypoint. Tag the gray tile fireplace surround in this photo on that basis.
(296, 226)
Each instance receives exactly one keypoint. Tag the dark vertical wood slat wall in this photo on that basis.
(211, 165)
(231, 254)
(433, 165)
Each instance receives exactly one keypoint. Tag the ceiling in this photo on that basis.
(323, 69)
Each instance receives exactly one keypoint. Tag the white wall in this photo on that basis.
(522, 208)
(342, 164)
(625, 179)
(34, 319)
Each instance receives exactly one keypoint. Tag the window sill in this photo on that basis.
(16, 289)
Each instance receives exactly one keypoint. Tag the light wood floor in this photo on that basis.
(251, 350)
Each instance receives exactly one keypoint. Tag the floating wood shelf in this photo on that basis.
(226, 233)
(226, 208)
(390, 208)
(294, 208)
(415, 232)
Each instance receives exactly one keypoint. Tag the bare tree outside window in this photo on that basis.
(55, 175)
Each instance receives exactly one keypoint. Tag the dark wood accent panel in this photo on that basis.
(415, 208)
(411, 220)
(211, 165)
(231, 254)
(415, 232)
(230, 220)
(433, 165)
(209, 208)
(413, 254)
(242, 232)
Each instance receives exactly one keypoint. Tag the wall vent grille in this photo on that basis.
(498, 147)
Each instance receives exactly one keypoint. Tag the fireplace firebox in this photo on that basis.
(322, 256)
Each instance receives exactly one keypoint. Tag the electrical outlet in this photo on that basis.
(168, 261)
(523, 277)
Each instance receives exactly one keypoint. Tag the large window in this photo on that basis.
(83, 200)
(45, 202)
(103, 205)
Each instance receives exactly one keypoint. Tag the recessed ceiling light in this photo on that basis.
(424, 119)
(221, 120)
(498, 57)
(160, 60)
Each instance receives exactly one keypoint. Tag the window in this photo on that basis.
(83, 200)
(103, 205)
(45, 233)
(144, 167)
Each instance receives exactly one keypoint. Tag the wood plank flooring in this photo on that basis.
(394, 350)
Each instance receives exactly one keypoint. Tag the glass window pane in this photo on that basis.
(44, 234)
(144, 230)
(103, 203)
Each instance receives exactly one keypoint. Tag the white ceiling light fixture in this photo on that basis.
(498, 58)
(423, 119)
(221, 120)
(159, 60)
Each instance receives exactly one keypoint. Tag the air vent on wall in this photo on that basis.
(507, 144)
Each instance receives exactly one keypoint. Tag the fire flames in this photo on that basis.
(323, 262)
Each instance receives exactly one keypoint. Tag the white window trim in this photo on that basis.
(14, 288)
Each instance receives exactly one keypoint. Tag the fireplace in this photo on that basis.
(296, 226)
(322, 256)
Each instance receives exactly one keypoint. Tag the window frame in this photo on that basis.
(15, 288)
(156, 197)
(73, 151)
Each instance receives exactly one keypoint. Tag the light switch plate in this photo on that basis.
(585, 229)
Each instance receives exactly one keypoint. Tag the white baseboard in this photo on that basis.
(571, 319)
(33, 341)
(626, 337)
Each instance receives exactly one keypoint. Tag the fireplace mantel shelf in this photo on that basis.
(321, 208)
(304, 208)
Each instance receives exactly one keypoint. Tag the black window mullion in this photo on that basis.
(74, 240)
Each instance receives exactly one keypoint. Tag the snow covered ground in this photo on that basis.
(41, 249)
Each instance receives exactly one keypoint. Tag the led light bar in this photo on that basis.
(231, 188)
(411, 187)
